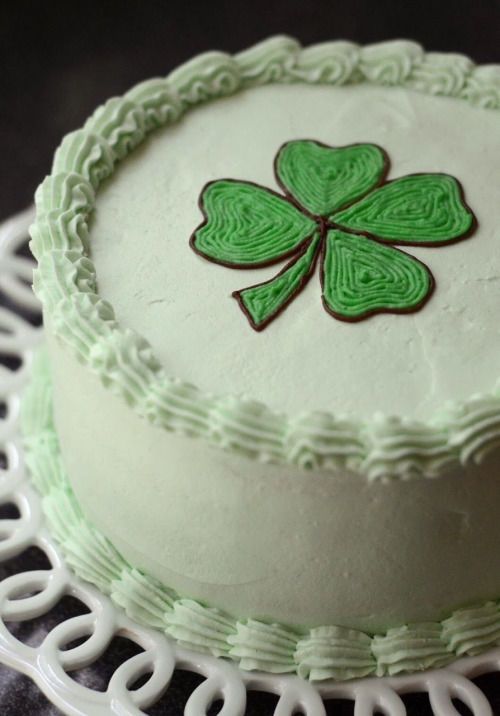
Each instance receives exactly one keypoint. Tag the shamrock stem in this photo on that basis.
(324, 225)
(263, 302)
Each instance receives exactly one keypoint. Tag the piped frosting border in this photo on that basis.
(324, 652)
(379, 447)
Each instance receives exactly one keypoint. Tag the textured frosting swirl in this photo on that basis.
(483, 87)
(85, 154)
(412, 647)
(441, 73)
(332, 63)
(145, 600)
(335, 652)
(159, 101)
(325, 652)
(213, 74)
(202, 628)
(272, 60)
(65, 279)
(390, 63)
(121, 123)
(263, 647)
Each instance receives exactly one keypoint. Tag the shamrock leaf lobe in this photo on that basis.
(361, 277)
(415, 209)
(323, 179)
(262, 302)
(247, 225)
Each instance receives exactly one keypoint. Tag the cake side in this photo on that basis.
(317, 653)
(274, 541)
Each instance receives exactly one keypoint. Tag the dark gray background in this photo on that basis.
(58, 61)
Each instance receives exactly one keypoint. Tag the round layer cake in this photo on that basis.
(271, 286)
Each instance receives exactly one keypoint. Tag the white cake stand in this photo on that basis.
(31, 594)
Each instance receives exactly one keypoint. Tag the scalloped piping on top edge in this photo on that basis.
(381, 448)
(324, 652)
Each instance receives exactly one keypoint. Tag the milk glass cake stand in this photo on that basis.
(31, 594)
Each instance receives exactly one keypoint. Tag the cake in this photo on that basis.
(266, 418)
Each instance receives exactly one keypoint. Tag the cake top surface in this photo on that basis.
(305, 360)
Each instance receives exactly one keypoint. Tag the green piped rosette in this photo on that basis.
(337, 208)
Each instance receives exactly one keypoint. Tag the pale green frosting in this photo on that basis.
(470, 631)
(159, 101)
(335, 652)
(319, 653)
(411, 647)
(144, 598)
(66, 284)
(442, 73)
(198, 627)
(264, 647)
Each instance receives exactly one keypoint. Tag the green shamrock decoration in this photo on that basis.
(337, 207)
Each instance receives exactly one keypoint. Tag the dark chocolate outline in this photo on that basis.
(324, 225)
(381, 180)
(303, 283)
(374, 311)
